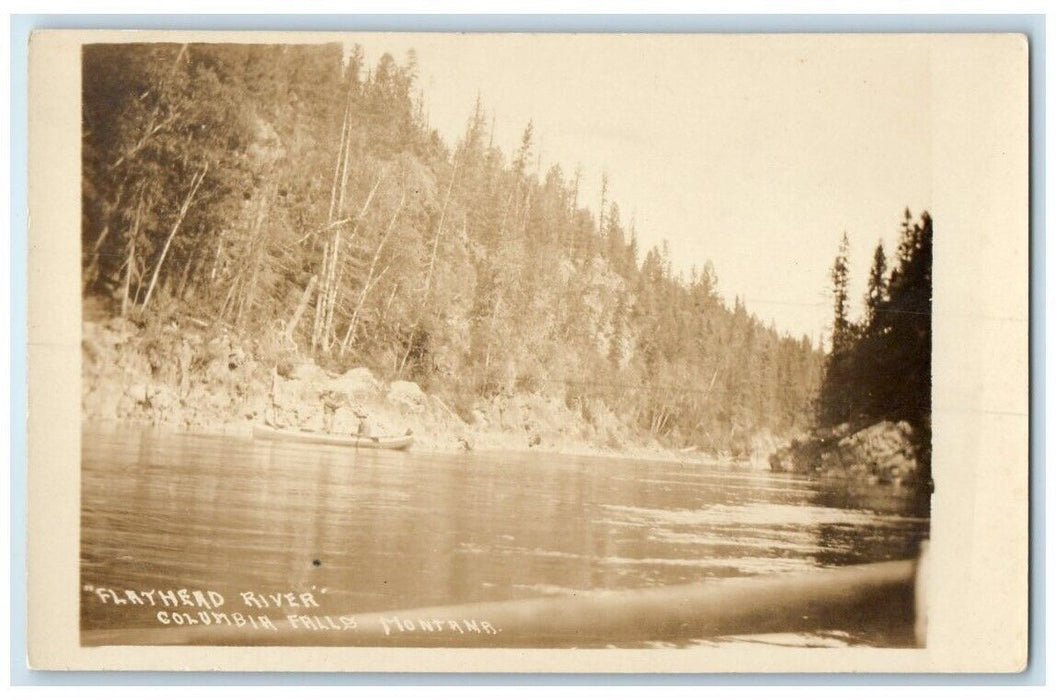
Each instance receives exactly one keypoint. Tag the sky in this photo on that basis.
(756, 153)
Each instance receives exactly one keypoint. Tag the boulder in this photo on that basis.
(92, 350)
(344, 421)
(356, 383)
(884, 450)
(408, 395)
(512, 417)
(781, 460)
(217, 370)
(880, 453)
(162, 398)
(137, 392)
(120, 330)
(302, 372)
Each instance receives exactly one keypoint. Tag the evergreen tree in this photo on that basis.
(876, 286)
(884, 372)
(841, 326)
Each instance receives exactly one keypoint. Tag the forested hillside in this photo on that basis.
(299, 199)
(879, 367)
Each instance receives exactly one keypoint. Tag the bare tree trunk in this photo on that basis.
(385, 310)
(130, 263)
(350, 333)
(601, 207)
(491, 329)
(335, 250)
(227, 302)
(331, 297)
(181, 288)
(153, 126)
(91, 270)
(575, 205)
(323, 331)
(249, 292)
(326, 301)
(345, 126)
(354, 321)
(302, 305)
(329, 257)
(216, 258)
(195, 183)
(320, 300)
(432, 265)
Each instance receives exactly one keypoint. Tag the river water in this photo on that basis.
(373, 530)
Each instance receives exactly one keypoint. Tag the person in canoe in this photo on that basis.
(363, 423)
(332, 401)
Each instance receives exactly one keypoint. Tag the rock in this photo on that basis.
(217, 370)
(103, 402)
(137, 392)
(879, 454)
(880, 449)
(92, 350)
(125, 406)
(787, 459)
(762, 445)
(344, 421)
(121, 329)
(358, 382)
(407, 394)
(217, 401)
(512, 417)
(803, 455)
(162, 398)
(303, 372)
(237, 357)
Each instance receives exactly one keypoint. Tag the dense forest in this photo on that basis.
(879, 367)
(299, 198)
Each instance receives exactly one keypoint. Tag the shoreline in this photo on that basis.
(212, 381)
(218, 383)
(244, 430)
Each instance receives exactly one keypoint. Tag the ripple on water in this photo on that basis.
(396, 531)
(759, 513)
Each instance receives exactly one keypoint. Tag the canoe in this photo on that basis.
(769, 604)
(394, 442)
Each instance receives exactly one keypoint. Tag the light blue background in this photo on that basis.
(21, 26)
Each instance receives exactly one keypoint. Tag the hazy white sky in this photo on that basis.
(753, 152)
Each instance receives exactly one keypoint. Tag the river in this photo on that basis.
(368, 530)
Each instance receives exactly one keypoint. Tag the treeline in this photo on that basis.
(879, 367)
(296, 196)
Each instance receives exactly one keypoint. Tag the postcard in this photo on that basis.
(528, 352)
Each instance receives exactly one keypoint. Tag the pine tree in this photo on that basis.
(835, 403)
(876, 287)
(841, 326)
(884, 371)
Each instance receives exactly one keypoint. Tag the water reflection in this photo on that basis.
(375, 530)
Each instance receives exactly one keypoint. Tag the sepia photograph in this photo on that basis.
(509, 341)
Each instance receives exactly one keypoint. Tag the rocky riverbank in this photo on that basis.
(883, 453)
(205, 379)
